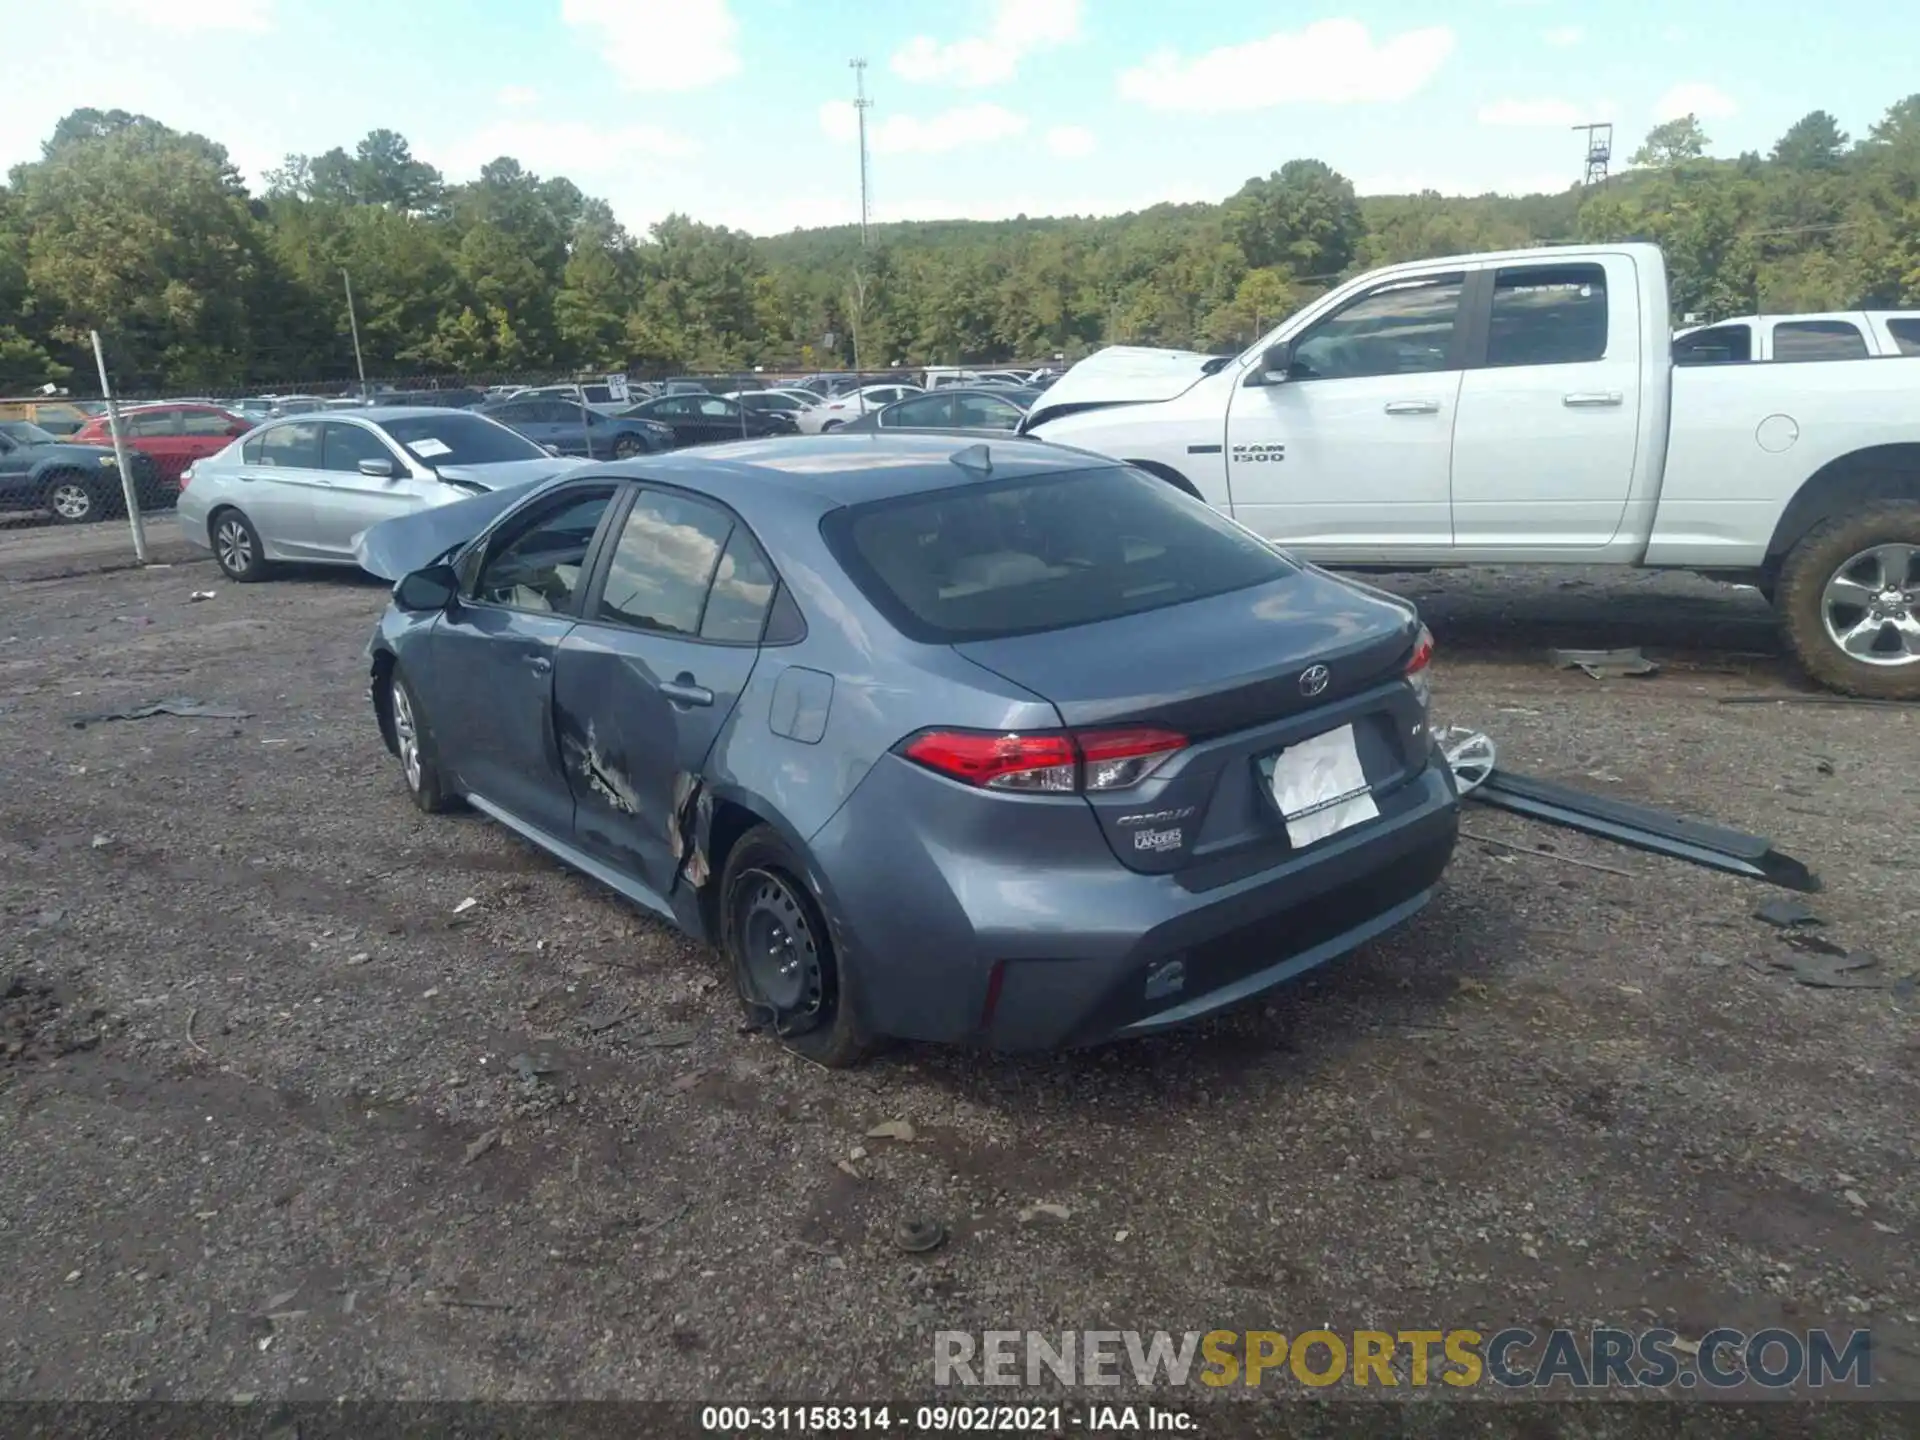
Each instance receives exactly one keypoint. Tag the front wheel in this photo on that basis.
(413, 744)
(784, 964)
(75, 500)
(1849, 597)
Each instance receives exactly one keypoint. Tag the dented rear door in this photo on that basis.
(644, 685)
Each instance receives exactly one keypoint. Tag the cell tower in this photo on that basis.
(861, 104)
(1599, 152)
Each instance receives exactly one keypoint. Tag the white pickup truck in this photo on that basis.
(1525, 408)
(1830, 335)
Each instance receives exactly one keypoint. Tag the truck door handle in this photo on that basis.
(684, 692)
(1593, 399)
(540, 664)
(1413, 407)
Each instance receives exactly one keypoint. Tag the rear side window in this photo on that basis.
(1017, 557)
(1548, 315)
(1716, 345)
(295, 446)
(205, 422)
(1818, 340)
(154, 422)
(1906, 335)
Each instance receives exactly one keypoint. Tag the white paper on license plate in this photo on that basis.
(1321, 788)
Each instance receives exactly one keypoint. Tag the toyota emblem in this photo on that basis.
(1314, 679)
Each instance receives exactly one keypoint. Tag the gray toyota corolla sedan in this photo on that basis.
(1006, 744)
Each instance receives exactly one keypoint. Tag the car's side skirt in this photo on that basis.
(623, 885)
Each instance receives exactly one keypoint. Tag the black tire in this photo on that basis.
(626, 447)
(75, 499)
(413, 738)
(832, 425)
(236, 547)
(1834, 563)
(768, 910)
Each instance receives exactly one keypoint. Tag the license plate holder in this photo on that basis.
(1319, 786)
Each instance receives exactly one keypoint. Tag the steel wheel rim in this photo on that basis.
(406, 734)
(1870, 607)
(70, 501)
(235, 546)
(780, 950)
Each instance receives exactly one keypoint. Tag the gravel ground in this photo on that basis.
(264, 1131)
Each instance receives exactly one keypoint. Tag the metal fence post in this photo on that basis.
(128, 488)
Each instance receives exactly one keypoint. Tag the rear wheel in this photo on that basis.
(784, 964)
(626, 447)
(75, 499)
(236, 547)
(1849, 597)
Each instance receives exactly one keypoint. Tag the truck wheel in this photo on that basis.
(1849, 597)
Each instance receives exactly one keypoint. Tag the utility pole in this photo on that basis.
(1599, 151)
(861, 104)
(354, 321)
(129, 490)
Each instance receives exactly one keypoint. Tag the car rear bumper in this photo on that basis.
(1051, 943)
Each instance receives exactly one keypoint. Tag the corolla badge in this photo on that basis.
(1315, 679)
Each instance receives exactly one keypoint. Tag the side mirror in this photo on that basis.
(1275, 367)
(428, 590)
(378, 468)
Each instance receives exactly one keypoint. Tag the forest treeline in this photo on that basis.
(151, 236)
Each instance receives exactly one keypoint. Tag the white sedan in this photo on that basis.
(834, 413)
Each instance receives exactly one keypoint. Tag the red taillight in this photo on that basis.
(1422, 652)
(1050, 762)
(186, 477)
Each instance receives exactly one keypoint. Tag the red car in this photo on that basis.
(173, 436)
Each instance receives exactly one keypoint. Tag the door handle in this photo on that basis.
(1413, 407)
(1593, 399)
(540, 664)
(684, 692)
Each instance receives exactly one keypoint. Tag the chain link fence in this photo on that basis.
(64, 506)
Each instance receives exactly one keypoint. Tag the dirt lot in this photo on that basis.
(261, 1122)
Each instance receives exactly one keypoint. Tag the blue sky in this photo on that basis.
(734, 111)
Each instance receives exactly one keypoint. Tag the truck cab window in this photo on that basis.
(1716, 345)
(1818, 340)
(1402, 329)
(1548, 316)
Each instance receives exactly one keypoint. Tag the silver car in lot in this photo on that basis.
(302, 488)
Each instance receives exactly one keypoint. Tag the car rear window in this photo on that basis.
(1019, 557)
(458, 439)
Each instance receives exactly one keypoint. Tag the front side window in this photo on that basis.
(1716, 345)
(1548, 315)
(292, 447)
(1818, 340)
(664, 563)
(985, 560)
(1403, 329)
(541, 567)
(343, 447)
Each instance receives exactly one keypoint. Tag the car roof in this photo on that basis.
(849, 469)
(376, 414)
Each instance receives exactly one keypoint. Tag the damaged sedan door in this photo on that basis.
(491, 688)
(645, 683)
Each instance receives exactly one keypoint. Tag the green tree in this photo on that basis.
(1672, 144)
(1813, 142)
(1303, 216)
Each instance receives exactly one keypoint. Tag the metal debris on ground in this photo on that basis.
(200, 595)
(1843, 700)
(182, 705)
(1604, 664)
(1645, 828)
(916, 1237)
(1470, 755)
(1787, 913)
(465, 905)
(1848, 970)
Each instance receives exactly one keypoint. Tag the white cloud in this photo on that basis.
(255, 16)
(1331, 62)
(956, 129)
(1019, 28)
(1071, 142)
(1709, 102)
(660, 45)
(1532, 114)
(517, 97)
(1564, 37)
(565, 147)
